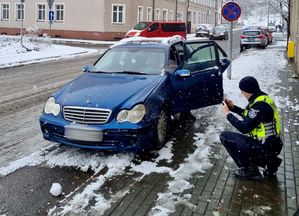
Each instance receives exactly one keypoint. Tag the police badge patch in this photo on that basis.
(252, 113)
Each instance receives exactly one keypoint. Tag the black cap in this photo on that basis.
(250, 85)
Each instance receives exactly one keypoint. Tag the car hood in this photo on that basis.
(109, 90)
(132, 33)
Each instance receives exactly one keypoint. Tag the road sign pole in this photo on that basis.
(230, 50)
(51, 17)
(231, 11)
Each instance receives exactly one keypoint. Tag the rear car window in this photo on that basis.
(173, 27)
(251, 33)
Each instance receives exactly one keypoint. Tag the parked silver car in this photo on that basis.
(219, 32)
(253, 37)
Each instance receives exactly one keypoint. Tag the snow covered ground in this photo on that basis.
(251, 62)
(13, 54)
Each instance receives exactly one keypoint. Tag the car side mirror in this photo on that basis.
(183, 73)
(87, 68)
(224, 64)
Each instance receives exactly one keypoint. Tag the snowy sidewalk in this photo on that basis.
(215, 191)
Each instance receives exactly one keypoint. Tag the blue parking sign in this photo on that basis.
(51, 15)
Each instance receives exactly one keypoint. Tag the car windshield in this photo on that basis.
(141, 26)
(251, 33)
(132, 61)
(220, 28)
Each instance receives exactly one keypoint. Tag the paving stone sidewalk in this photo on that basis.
(217, 192)
(220, 193)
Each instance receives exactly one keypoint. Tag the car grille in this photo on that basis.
(86, 115)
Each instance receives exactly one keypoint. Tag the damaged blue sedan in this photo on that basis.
(124, 102)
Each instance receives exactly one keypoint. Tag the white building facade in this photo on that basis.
(101, 19)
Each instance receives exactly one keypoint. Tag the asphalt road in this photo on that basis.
(23, 91)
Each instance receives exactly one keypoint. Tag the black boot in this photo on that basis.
(250, 173)
(272, 167)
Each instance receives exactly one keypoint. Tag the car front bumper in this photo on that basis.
(112, 136)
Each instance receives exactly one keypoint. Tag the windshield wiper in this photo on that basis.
(132, 72)
(96, 71)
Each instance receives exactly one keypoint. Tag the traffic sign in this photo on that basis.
(51, 15)
(50, 3)
(231, 11)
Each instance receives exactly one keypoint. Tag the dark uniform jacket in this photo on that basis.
(259, 112)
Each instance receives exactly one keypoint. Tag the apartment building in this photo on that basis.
(294, 29)
(100, 19)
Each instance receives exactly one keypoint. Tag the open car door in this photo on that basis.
(199, 82)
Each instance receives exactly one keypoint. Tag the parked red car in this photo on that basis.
(158, 29)
(268, 34)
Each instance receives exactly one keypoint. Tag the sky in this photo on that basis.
(250, 62)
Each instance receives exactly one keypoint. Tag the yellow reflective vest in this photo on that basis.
(264, 130)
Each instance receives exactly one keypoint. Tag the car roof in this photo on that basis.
(149, 42)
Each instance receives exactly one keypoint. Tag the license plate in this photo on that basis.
(82, 133)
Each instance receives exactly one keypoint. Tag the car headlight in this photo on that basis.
(52, 107)
(221, 34)
(134, 115)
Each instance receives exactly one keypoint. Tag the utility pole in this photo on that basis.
(22, 21)
(268, 13)
(187, 16)
(176, 10)
(153, 12)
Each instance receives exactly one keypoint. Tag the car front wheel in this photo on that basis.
(161, 128)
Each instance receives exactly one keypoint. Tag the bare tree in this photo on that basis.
(275, 7)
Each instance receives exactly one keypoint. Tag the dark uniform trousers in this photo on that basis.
(247, 151)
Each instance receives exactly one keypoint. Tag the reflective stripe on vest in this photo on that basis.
(264, 130)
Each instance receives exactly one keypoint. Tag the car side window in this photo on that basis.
(221, 55)
(200, 58)
(173, 61)
(179, 49)
(153, 27)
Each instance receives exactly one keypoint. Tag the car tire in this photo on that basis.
(161, 128)
(241, 49)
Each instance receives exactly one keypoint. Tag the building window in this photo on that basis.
(139, 14)
(164, 15)
(149, 14)
(194, 17)
(4, 11)
(20, 11)
(118, 13)
(41, 12)
(170, 16)
(59, 12)
(157, 14)
(180, 16)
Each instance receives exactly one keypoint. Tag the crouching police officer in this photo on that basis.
(260, 123)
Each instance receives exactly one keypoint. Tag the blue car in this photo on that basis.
(124, 102)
